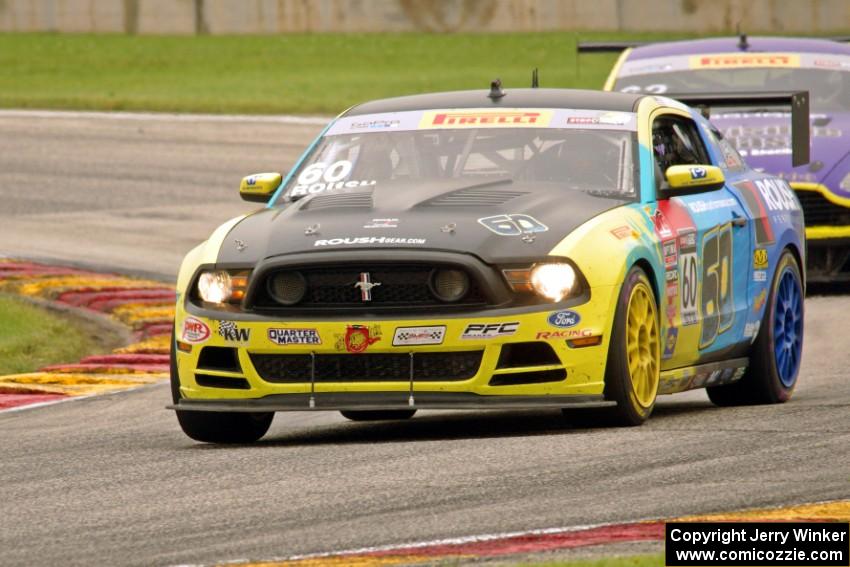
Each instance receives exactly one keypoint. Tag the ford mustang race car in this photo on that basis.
(536, 248)
(761, 133)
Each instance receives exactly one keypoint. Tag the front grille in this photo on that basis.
(820, 211)
(401, 286)
(368, 367)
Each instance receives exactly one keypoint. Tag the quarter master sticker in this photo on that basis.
(294, 336)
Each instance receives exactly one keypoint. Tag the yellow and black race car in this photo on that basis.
(521, 249)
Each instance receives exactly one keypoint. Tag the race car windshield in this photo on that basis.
(600, 162)
(829, 89)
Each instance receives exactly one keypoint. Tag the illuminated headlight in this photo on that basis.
(553, 281)
(215, 287)
(845, 183)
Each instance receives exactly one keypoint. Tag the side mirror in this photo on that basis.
(259, 187)
(685, 179)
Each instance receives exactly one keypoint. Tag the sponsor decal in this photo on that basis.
(489, 330)
(758, 302)
(760, 276)
(605, 118)
(377, 124)
(294, 336)
(662, 227)
(230, 331)
(251, 181)
(760, 259)
(365, 285)
(714, 377)
(240, 245)
(512, 118)
(413, 336)
(357, 338)
(777, 194)
(565, 318)
(382, 223)
(622, 232)
(751, 330)
(670, 342)
(698, 173)
(513, 224)
(705, 206)
(671, 253)
(565, 334)
(194, 331)
(688, 277)
(321, 177)
(367, 240)
(727, 60)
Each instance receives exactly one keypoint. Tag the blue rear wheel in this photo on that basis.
(777, 352)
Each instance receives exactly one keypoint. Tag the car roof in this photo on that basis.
(730, 44)
(514, 98)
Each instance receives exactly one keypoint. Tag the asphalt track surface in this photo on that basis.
(112, 480)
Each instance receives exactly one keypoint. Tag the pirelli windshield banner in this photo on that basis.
(465, 118)
(737, 60)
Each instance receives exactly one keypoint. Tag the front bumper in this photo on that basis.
(508, 375)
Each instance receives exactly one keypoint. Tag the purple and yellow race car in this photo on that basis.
(761, 133)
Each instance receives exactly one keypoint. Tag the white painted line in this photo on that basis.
(168, 117)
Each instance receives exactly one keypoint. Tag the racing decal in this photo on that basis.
(760, 276)
(624, 231)
(760, 259)
(751, 330)
(604, 118)
(565, 334)
(489, 330)
(409, 336)
(321, 177)
(367, 240)
(194, 331)
(689, 277)
(357, 338)
(716, 303)
(698, 173)
(512, 224)
(731, 60)
(230, 331)
(662, 227)
(294, 336)
(382, 223)
(564, 319)
(777, 194)
(478, 118)
(670, 252)
(758, 212)
(670, 343)
(705, 206)
(758, 302)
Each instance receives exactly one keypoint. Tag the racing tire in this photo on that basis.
(377, 415)
(217, 427)
(777, 351)
(633, 370)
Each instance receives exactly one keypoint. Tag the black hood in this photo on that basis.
(441, 216)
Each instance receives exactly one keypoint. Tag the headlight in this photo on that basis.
(222, 287)
(215, 287)
(553, 281)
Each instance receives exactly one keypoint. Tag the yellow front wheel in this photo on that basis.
(634, 355)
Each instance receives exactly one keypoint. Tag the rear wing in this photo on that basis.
(620, 46)
(797, 101)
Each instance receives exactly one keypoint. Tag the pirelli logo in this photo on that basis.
(513, 118)
(725, 61)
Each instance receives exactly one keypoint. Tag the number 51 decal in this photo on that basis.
(716, 305)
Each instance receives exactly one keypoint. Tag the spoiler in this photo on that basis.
(620, 46)
(797, 101)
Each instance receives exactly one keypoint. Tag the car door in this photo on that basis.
(712, 252)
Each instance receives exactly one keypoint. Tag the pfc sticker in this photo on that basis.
(489, 330)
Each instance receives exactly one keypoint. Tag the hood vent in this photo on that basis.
(473, 198)
(359, 200)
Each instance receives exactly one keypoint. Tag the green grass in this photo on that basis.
(31, 337)
(296, 73)
(656, 560)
